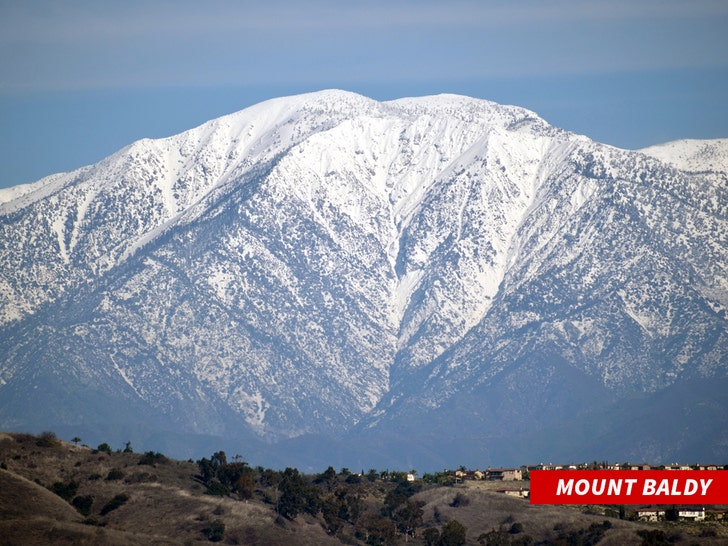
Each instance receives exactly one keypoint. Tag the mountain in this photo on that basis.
(426, 281)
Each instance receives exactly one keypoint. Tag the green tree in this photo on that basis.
(332, 508)
(327, 478)
(495, 538)
(295, 496)
(218, 459)
(409, 517)
(453, 534)
(431, 536)
(151, 458)
(379, 531)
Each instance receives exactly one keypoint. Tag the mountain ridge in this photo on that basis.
(315, 263)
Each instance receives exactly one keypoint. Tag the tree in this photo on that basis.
(76, 440)
(431, 536)
(151, 458)
(245, 486)
(494, 538)
(453, 534)
(332, 509)
(295, 496)
(218, 459)
(409, 517)
(380, 531)
(127, 448)
(328, 478)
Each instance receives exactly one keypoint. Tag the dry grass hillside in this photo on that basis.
(55, 492)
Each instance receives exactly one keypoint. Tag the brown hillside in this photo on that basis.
(54, 492)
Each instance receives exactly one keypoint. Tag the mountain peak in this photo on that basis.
(326, 264)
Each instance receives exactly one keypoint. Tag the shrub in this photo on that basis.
(113, 504)
(151, 458)
(453, 533)
(215, 532)
(516, 528)
(106, 448)
(65, 490)
(47, 439)
(460, 500)
(83, 504)
(114, 474)
(215, 487)
(431, 536)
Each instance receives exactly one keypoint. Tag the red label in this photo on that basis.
(629, 487)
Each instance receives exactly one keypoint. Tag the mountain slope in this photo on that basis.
(327, 263)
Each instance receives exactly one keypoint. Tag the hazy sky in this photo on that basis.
(79, 79)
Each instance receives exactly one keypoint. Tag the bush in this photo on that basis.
(460, 500)
(431, 536)
(65, 490)
(653, 537)
(453, 533)
(516, 528)
(83, 504)
(106, 448)
(217, 488)
(215, 532)
(114, 474)
(119, 500)
(151, 458)
(47, 439)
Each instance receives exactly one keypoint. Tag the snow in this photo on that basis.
(692, 155)
(327, 243)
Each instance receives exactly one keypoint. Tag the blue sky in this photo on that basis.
(80, 79)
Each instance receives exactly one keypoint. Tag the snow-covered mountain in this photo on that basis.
(405, 281)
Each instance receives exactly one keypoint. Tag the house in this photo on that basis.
(650, 514)
(686, 513)
(521, 493)
(503, 474)
(691, 514)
